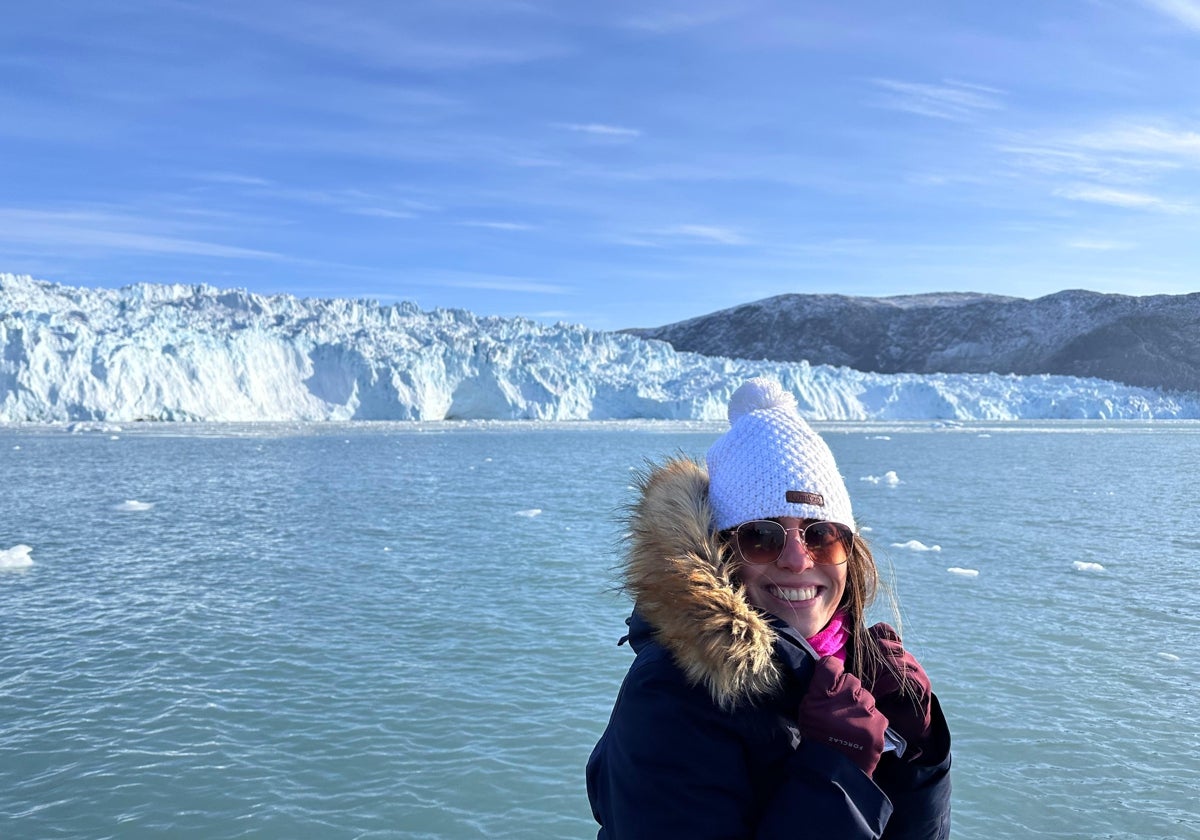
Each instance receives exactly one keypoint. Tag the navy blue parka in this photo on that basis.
(703, 741)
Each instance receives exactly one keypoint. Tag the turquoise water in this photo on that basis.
(409, 630)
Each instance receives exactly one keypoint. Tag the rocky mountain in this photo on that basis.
(1151, 341)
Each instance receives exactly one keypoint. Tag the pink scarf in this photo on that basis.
(831, 641)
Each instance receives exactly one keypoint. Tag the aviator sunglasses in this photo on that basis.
(761, 541)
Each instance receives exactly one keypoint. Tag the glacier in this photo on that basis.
(170, 352)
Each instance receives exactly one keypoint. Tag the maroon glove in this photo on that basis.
(838, 712)
(902, 692)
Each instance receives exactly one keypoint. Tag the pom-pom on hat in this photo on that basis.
(771, 463)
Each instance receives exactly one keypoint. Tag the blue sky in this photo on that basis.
(610, 163)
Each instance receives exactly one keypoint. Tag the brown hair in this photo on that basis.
(863, 657)
(862, 585)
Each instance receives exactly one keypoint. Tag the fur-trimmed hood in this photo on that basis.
(679, 576)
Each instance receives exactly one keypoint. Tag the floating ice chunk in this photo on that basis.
(532, 512)
(954, 570)
(1170, 657)
(134, 505)
(1081, 566)
(16, 557)
(889, 478)
(880, 437)
(88, 426)
(18, 446)
(114, 437)
(917, 545)
(983, 435)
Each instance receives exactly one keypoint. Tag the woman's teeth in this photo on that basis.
(806, 593)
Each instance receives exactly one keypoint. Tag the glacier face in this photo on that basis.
(173, 352)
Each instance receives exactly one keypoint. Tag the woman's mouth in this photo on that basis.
(793, 594)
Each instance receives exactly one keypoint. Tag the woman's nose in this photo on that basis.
(795, 554)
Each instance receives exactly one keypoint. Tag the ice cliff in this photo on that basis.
(172, 352)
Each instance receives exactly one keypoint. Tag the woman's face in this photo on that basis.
(794, 588)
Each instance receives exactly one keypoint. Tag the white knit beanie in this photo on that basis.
(771, 463)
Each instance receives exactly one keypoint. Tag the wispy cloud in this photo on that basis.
(1082, 160)
(1145, 139)
(379, 213)
(1100, 245)
(74, 229)
(532, 162)
(512, 226)
(499, 283)
(350, 201)
(951, 100)
(1120, 198)
(1186, 12)
(707, 233)
(1122, 165)
(395, 35)
(231, 178)
(600, 129)
(663, 20)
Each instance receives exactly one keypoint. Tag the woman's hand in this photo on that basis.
(902, 691)
(838, 712)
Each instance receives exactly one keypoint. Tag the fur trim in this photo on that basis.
(679, 576)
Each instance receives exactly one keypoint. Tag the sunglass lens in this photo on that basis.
(822, 540)
(761, 542)
(822, 535)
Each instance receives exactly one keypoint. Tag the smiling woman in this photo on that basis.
(760, 704)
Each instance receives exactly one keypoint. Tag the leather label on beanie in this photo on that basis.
(802, 497)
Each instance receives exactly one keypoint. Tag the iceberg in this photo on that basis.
(917, 545)
(16, 557)
(196, 352)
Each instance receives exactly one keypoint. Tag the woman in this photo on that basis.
(759, 704)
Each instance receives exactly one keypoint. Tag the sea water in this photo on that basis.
(410, 630)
